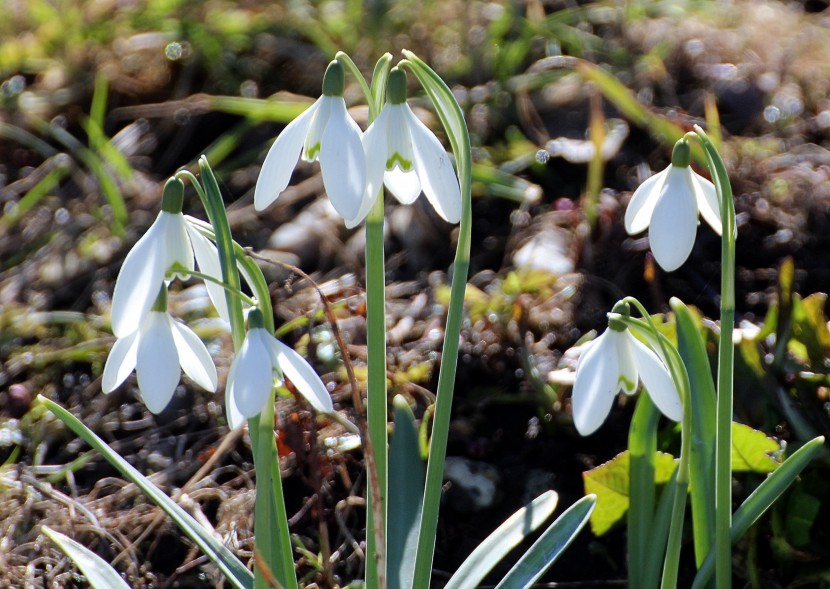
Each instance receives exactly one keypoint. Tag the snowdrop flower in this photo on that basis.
(324, 131)
(406, 157)
(158, 350)
(614, 362)
(668, 204)
(170, 244)
(251, 376)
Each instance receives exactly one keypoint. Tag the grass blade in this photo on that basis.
(97, 571)
(550, 545)
(236, 572)
(506, 537)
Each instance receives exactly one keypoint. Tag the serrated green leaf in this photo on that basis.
(98, 572)
(610, 483)
(752, 450)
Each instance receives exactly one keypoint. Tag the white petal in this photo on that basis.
(232, 412)
(120, 362)
(707, 202)
(282, 159)
(302, 375)
(438, 179)
(342, 161)
(656, 379)
(177, 247)
(374, 150)
(194, 356)
(641, 206)
(157, 364)
(404, 186)
(253, 375)
(207, 258)
(629, 377)
(673, 227)
(140, 279)
(596, 384)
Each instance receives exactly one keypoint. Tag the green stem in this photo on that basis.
(726, 353)
(642, 447)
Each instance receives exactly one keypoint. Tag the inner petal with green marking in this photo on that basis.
(398, 160)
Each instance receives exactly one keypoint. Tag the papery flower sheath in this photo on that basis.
(158, 350)
(668, 205)
(259, 360)
(170, 243)
(326, 132)
(406, 157)
(614, 362)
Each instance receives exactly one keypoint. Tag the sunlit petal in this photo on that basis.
(673, 225)
(628, 377)
(157, 363)
(656, 379)
(282, 159)
(404, 186)
(177, 247)
(596, 384)
(207, 259)
(140, 279)
(707, 201)
(120, 362)
(342, 161)
(374, 149)
(438, 179)
(641, 206)
(194, 356)
(253, 375)
(302, 375)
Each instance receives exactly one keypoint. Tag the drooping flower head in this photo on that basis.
(158, 350)
(170, 243)
(614, 362)
(668, 205)
(406, 157)
(261, 358)
(326, 132)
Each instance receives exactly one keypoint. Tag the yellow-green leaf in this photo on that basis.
(752, 451)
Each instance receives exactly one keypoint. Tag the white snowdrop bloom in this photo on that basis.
(668, 205)
(326, 132)
(259, 360)
(158, 350)
(615, 362)
(170, 243)
(406, 157)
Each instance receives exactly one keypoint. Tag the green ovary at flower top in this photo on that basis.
(406, 157)
(668, 205)
(158, 350)
(251, 377)
(170, 243)
(614, 362)
(326, 132)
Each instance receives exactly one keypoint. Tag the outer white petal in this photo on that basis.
(596, 383)
(193, 356)
(405, 186)
(253, 374)
(300, 372)
(673, 227)
(629, 376)
(177, 247)
(207, 258)
(641, 206)
(375, 151)
(707, 201)
(140, 279)
(342, 161)
(232, 412)
(282, 159)
(438, 179)
(120, 362)
(657, 380)
(157, 364)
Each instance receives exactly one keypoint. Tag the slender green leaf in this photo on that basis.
(692, 350)
(504, 539)
(236, 572)
(550, 545)
(97, 571)
(406, 488)
(761, 499)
